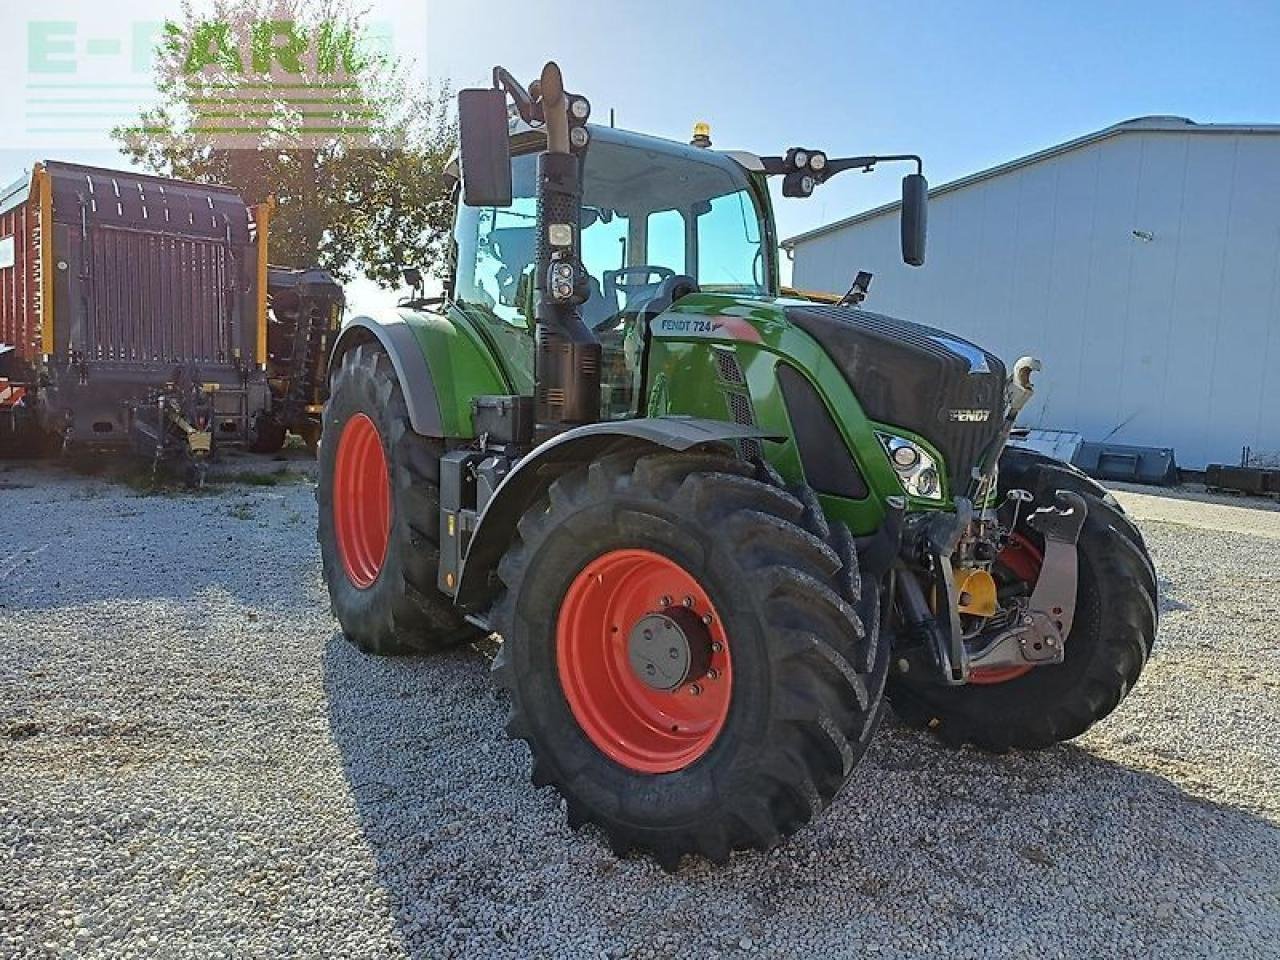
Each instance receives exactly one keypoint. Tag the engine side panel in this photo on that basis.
(919, 378)
(717, 356)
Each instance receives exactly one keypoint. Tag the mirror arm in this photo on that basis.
(529, 111)
(778, 166)
(866, 163)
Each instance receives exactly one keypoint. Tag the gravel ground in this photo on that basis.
(193, 763)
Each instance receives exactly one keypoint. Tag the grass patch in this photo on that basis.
(137, 474)
(240, 511)
(256, 478)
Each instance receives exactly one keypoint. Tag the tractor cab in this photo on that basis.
(652, 211)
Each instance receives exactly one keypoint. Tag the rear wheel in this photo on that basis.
(379, 514)
(688, 651)
(1111, 636)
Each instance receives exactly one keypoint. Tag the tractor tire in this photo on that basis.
(378, 495)
(1110, 640)
(738, 755)
(1041, 475)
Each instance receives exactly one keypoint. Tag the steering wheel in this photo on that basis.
(634, 282)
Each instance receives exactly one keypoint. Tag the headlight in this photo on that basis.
(917, 471)
(800, 159)
(818, 162)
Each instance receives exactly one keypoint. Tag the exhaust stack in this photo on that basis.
(567, 356)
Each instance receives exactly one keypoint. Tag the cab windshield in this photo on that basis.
(648, 213)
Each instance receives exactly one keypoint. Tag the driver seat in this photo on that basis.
(597, 311)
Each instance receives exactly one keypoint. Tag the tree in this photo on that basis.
(286, 98)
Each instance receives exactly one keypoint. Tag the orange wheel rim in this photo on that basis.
(644, 661)
(361, 501)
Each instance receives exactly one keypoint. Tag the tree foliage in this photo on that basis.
(277, 98)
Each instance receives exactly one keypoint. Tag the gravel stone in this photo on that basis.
(194, 763)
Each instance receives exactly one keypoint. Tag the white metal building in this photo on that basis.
(1141, 263)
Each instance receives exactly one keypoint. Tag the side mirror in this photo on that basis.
(484, 148)
(915, 218)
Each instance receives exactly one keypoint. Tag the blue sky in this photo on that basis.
(967, 85)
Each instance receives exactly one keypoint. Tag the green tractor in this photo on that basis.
(715, 526)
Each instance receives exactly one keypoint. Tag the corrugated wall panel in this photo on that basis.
(1172, 340)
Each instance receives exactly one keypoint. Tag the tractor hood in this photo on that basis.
(926, 381)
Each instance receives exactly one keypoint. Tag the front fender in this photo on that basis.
(531, 477)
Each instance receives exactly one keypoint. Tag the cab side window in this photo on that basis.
(495, 248)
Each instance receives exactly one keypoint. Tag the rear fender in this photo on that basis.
(440, 362)
(529, 480)
(410, 364)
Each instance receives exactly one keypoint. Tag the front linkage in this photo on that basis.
(1023, 631)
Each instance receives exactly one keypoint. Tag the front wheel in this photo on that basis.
(379, 505)
(688, 651)
(1111, 636)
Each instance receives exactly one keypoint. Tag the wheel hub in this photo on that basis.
(1021, 559)
(669, 649)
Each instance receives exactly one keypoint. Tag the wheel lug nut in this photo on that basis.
(695, 689)
(713, 674)
(706, 619)
(717, 646)
(665, 601)
(688, 601)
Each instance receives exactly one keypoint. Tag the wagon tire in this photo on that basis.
(269, 435)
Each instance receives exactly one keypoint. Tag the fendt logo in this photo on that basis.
(969, 416)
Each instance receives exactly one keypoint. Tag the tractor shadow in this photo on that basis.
(929, 851)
